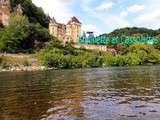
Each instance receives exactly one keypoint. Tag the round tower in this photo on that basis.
(74, 29)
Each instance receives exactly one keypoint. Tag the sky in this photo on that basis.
(103, 16)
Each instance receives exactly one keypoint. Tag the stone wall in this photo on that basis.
(94, 47)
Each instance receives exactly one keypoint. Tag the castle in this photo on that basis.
(5, 11)
(66, 33)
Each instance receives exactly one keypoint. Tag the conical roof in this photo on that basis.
(53, 20)
(74, 19)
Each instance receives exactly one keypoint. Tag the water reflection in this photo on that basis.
(88, 94)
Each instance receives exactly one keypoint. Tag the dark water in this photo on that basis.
(127, 93)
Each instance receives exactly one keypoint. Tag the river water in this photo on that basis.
(116, 93)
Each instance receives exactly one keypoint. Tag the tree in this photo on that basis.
(35, 14)
(12, 36)
(22, 36)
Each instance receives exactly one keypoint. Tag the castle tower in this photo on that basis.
(5, 10)
(57, 29)
(53, 27)
(73, 29)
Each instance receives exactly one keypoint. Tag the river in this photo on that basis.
(115, 93)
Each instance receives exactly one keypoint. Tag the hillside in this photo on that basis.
(135, 31)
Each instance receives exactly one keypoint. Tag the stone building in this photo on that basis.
(66, 33)
(5, 10)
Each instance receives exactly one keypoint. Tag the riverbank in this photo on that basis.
(67, 57)
(19, 62)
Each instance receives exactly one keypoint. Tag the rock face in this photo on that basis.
(66, 33)
(5, 10)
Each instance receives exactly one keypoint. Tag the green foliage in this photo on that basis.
(108, 60)
(133, 31)
(119, 60)
(122, 49)
(157, 44)
(36, 37)
(132, 59)
(13, 35)
(7, 61)
(22, 36)
(154, 57)
(24, 62)
(55, 55)
(146, 53)
(68, 57)
(35, 14)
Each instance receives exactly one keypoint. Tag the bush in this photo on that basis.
(14, 34)
(3, 63)
(108, 60)
(157, 44)
(55, 55)
(154, 57)
(119, 60)
(132, 59)
(24, 62)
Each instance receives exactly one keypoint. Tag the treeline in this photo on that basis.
(135, 31)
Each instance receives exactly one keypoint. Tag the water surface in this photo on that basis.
(116, 93)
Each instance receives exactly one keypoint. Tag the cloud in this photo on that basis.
(112, 21)
(155, 16)
(60, 9)
(123, 13)
(104, 5)
(132, 9)
(135, 8)
(150, 17)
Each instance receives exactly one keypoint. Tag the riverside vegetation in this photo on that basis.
(29, 34)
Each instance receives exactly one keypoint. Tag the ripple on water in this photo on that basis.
(116, 93)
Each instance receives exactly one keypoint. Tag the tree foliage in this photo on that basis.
(22, 36)
(135, 31)
(35, 14)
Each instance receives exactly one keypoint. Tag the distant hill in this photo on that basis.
(135, 31)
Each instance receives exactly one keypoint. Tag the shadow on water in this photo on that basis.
(116, 93)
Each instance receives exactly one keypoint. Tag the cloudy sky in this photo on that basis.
(105, 15)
